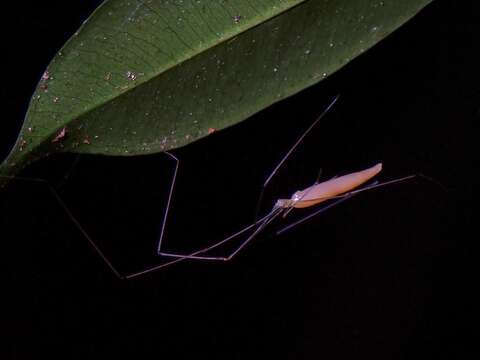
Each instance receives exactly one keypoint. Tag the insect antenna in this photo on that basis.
(289, 152)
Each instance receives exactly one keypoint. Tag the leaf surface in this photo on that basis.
(142, 77)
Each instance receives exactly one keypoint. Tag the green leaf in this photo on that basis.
(141, 77)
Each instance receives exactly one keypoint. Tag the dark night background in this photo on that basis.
(387, 275)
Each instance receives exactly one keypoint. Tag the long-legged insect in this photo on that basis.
(338, 188)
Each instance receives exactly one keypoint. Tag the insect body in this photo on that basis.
(338, 188)
(329, 189)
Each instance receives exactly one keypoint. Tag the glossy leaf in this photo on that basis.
(141, 77)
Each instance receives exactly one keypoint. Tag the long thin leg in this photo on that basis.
(169, 200)
(342, 198)
(69, 172)
(72, 218)
(89, 238)
(289, 152)
(195, 255)
(262, 224)
(260, 228)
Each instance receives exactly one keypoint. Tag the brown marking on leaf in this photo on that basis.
(60, 135)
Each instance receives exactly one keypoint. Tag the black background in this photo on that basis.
(386, 275)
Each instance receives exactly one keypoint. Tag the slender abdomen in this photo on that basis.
(334, 187)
